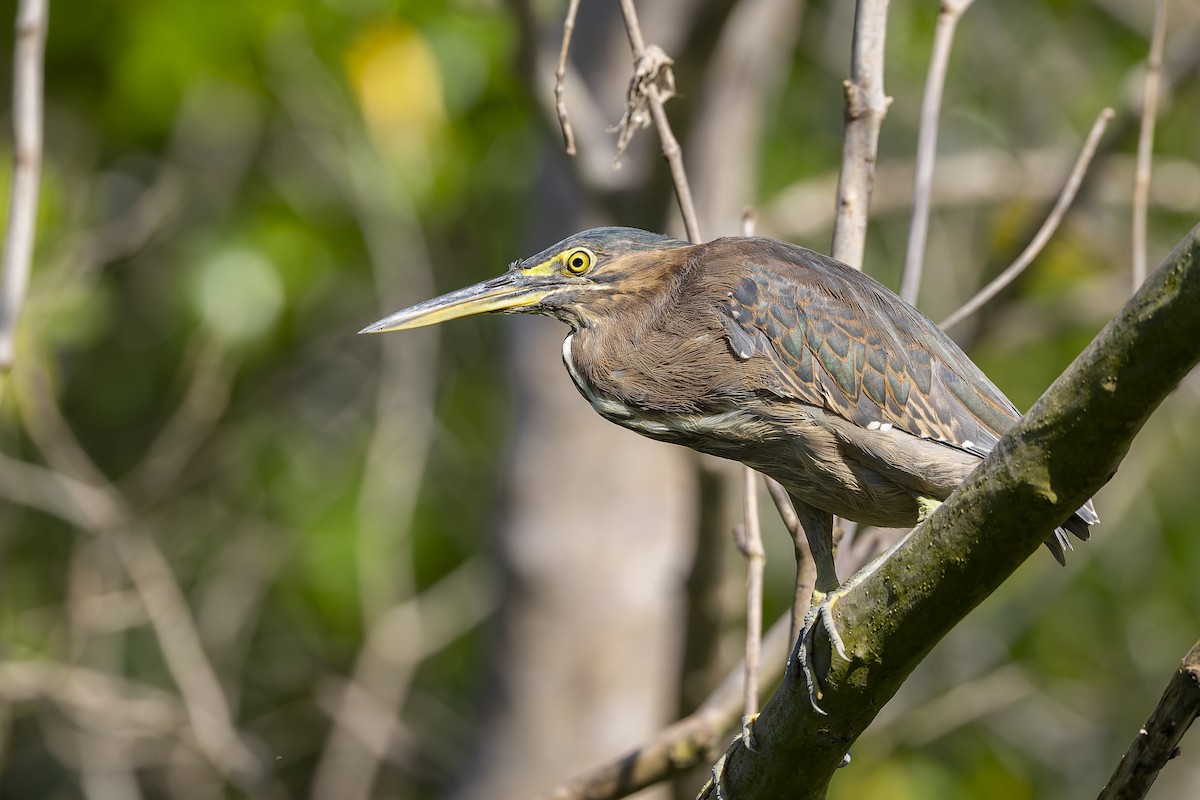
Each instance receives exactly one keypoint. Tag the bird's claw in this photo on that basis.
(747, 734)
(820, 609)
(716, 784)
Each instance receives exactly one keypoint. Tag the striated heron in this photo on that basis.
(769, 354)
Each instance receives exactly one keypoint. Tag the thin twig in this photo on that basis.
(560, 79)
(931, 107)
(866, 106)
(27, 166)
(670, 145)
(1045, 232)
(751, 545)
(806, 568)
(1145, 149)
(1157, 742)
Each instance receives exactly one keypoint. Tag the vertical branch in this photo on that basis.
(931, 107)
(1145, 151)
(866, 106)
(806, 569)
(27, 166)
(670, 145)
(756, 562)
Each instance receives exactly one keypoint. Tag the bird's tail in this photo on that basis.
(1079, 524)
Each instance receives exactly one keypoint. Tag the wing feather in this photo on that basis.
(841, 341)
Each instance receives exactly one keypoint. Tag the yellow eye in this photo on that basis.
(578, 261)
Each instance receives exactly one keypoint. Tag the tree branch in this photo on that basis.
(560, 79)
(652, 70)
(1158, 740)
(1042, 237)
(866, 106)
(1145, 148)
(1067, 446)
(931, 108)
(27, 168)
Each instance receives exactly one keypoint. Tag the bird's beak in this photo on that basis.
(512, 291)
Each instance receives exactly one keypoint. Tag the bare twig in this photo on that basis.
(751, 545)
(866, 106)
(693, 740)
(1145, 149)
(931, 106)
(560, 79)
(27, 167)
(806, 568)
(652, 79)
(1045, 232)
(1158, 740)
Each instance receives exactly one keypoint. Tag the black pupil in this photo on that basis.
(577, 262)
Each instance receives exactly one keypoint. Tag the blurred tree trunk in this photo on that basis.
(596, 534)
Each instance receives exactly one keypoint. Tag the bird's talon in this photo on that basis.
(804, 659)
(748, 732)
(713, 784)
(825, 611)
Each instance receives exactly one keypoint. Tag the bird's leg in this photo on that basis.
(818, 529)
(925, 508)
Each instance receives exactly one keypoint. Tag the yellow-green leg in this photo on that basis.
(818, 529)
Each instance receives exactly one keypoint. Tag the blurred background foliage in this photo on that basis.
(231, 190)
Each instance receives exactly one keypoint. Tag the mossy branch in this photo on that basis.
(1067, 447)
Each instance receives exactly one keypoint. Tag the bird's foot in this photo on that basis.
(716, 784)
(747, 734)
(925, 507)
(820, 609)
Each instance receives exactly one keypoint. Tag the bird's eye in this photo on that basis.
(578, 261)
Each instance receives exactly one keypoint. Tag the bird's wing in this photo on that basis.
(839, 340)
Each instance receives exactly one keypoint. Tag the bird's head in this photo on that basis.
(580, 280)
